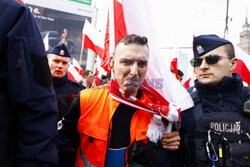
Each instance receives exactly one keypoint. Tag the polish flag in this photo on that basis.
(243, 65)
(75, 72)
(77, 67)
(92, 38)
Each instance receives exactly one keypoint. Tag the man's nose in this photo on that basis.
(60, 65)
(134, 70)
(204, 64)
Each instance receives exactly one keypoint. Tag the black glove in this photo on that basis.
(141, 153)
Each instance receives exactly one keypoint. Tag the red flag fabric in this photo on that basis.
(242, 69)
(243, 65)
(20, 1)
(174, 67)
(119, 23)
(105, 64)
(187, 83)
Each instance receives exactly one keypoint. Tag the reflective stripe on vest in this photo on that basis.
(86, 163)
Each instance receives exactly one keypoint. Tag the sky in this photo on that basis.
(179, 20)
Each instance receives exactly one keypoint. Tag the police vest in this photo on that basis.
(220, 138)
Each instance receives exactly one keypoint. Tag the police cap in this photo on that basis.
(60, 50)
(205, 43)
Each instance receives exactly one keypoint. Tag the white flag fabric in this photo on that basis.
(75, 72)
(92, 38)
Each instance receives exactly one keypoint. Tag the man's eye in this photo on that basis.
(57, 61)
(127, 62)
(65, 63)
(142, 63)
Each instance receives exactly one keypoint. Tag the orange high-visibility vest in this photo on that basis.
(94, 125)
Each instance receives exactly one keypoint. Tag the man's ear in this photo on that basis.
(234, 63)
(195, 72)
(112, 62)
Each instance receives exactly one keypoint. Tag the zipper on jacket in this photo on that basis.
(21, 66)
(20, 58)
(220, 97)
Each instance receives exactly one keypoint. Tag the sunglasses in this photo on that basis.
(210, 60)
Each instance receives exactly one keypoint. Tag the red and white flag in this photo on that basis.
(75, 72)
(243, 65)
(92, 38)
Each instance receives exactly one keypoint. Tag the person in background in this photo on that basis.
(28, 110)
(180, 75)
(59, 59)
(88, 79)
(215, 132)
(110, 131)
(65, 40)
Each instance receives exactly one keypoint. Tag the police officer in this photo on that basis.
(215, 132)
(28, 110)
(59, 61)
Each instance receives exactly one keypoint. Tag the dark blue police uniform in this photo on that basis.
(65, 91)
(215, 132)
(28, 114)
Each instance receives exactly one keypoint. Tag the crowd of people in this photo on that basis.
(47, 120)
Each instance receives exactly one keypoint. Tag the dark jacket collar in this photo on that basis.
(227, 84)
(60, 84)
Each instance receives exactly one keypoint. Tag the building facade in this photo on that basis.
(245, 37)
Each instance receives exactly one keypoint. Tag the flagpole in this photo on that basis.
(80, 61)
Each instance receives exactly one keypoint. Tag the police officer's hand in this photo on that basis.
(171, 141)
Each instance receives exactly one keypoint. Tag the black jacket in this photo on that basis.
(28, 110)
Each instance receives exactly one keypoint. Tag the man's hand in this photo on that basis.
(171, 141)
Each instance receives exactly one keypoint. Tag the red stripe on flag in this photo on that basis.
(243, 71)
(106, 55)
(80, 71)
(20, 1)
(90, 45)
(174, 67)
(187, 83)
(71, 77)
